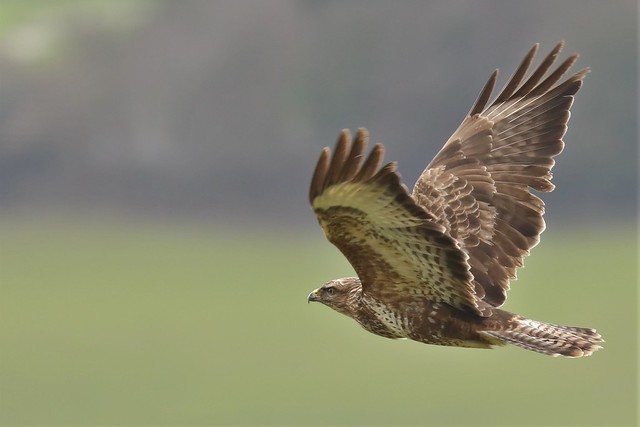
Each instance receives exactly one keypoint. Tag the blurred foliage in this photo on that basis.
(159, 325)
(17, 13)
(34, 33)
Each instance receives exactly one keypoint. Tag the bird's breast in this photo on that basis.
(387, 318)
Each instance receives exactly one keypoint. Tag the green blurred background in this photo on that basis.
(156, 246)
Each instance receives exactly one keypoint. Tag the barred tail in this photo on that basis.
(547, 338)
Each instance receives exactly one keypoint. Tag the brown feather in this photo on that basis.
(317, 182)
(518, 75)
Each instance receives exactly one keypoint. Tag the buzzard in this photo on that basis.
(434, 265)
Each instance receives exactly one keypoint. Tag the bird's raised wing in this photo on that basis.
(479, 185)
(396, 248)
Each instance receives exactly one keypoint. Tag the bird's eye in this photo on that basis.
(331, 290)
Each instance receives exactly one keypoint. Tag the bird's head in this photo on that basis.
(340, 294)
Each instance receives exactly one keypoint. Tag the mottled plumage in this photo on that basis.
(435, 265)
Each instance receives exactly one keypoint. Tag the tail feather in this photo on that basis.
(547, 338)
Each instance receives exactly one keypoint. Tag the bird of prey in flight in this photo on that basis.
(434, 265)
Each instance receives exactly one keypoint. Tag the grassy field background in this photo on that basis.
(159, 325)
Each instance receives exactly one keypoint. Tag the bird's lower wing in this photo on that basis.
(394, 245)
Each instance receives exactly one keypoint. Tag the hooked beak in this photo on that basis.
(313, 296)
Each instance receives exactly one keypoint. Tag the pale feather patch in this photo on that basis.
(372, 201)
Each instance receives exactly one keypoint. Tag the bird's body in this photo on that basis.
(422, 320)
(434, 265)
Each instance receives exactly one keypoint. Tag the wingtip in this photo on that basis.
(583, 72)
(344, 137)
(319, 174)
(362, 132)
(484, 96)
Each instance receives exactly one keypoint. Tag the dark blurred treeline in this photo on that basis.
(219, 108)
